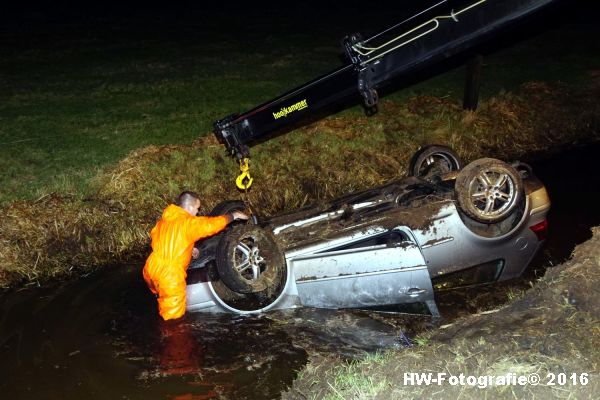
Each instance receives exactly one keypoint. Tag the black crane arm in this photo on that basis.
(442, 28)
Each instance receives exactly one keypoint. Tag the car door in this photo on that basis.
(377, 268)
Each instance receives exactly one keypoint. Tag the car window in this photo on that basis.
(390, 238)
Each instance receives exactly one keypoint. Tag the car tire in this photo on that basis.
(225, 207)
(208, 246)
(433, 160)
(249, 260)
(488, 190)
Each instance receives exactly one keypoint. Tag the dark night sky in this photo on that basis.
(238, 17)
(21, 15)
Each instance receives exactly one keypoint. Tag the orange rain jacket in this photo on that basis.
(173, 239)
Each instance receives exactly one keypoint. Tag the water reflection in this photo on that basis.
(179, 352)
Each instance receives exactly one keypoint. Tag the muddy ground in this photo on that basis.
(551, 329)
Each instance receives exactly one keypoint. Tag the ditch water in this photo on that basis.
(99, 336)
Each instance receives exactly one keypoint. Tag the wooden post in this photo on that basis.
(473, 82)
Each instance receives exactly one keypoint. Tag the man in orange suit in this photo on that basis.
(173, 239)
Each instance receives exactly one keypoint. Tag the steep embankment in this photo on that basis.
(61, 234)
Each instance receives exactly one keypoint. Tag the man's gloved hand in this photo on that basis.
(238, 215)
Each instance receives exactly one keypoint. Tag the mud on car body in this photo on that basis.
(382, 246)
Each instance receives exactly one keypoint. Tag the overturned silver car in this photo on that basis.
(383, 246)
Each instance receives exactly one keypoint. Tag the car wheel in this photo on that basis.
(488, 190)
(249, 260)
(433, 160)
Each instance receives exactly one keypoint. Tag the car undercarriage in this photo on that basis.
(376, 247)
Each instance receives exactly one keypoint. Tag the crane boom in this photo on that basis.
(441, 29)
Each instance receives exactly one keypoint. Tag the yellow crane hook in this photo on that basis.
(244, 180)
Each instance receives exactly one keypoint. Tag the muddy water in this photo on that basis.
(573, 182)
(99, 336)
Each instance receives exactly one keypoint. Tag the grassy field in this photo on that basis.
(77, 98)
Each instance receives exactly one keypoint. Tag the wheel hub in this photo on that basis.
(251, 261)
(494, 193)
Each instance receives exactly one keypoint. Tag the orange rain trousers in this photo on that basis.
(173, 239)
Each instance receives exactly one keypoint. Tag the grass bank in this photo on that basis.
(554, 328)
(57, 235)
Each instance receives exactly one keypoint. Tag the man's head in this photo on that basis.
(189, 201)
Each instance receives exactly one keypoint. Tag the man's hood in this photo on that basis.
(173, 211)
